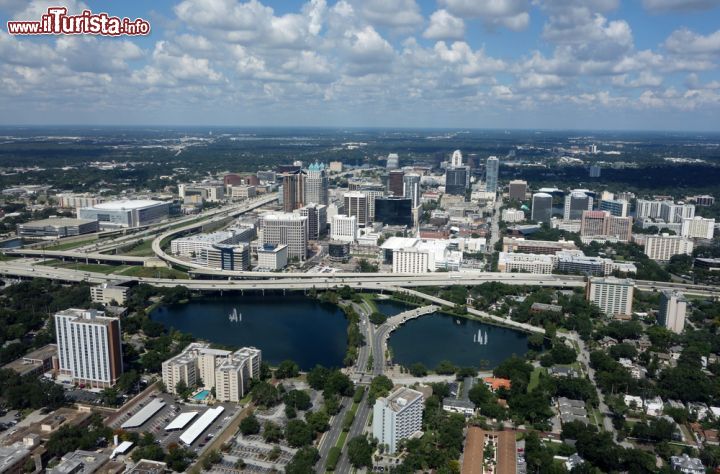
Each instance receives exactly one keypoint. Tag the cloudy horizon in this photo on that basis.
(550, 64)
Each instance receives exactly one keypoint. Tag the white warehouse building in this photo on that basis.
(127, 213)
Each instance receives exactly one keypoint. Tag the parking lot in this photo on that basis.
(157, 423)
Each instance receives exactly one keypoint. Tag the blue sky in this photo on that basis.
(590, 64)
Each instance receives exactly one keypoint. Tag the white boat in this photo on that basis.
(234, 317)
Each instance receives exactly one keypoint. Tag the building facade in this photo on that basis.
(272, 257)
(285, 229)
(698, 228)
(293, 190)
(344, 228)
(577, 202)
(316, 184)
(517, 189)
(128, 213)
(356, 204)
(673, 308)
(492, 171)
(542, 207)
(525, 263)
(663, 247)
(397, 416)
(614, 296)
(394, 211)
(89, 347)
(316, 219)
(456, 180)
(411, 189)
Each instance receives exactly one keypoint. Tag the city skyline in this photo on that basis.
(595, 65)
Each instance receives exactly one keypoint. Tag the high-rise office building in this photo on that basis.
(316, 184)
(293, 190)
(344, 228)
(492, 171)
(394, 211)
(593, 223)
(411, 188)
(542, 207)
(356, 204)
(89, 347)
(457, 159)
(594, 171)
(517, 189)
(316, 219)
(614, 296)
(616, 207)
(456, 180)
(393, 161)
(397, 416)
(576, 203)
(286, 229)
(396, 183)
(673, 307)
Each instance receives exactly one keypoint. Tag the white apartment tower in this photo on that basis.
(344, 228)
(673, 307)
(397, 416)
(286, 229)
(663, 247)
(614, 296)
(89, 346)
(412, 260)
(698, 227)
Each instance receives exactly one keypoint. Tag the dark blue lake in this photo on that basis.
(282, 326)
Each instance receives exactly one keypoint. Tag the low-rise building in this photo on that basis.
(525, 263)
(272, 257)
(686, 464)
(107, 293)
(80, 461)
(56, 228)
(547, 247)
(513, 215)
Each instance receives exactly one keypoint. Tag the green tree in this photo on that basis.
(298, 433)
(250, 425)
(378, 318)
(272, 433)
(287, 369)
(359, 452)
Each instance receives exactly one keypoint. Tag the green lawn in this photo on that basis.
(154, 272)
(143, 249)
(84, 267)
(535, 378)
(369, 299)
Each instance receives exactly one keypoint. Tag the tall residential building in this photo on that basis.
(576, 202)
(517, 189)
(648, 208)
(286, 229)
(492, 171)
(316, 219)
(594, 171)
(396, 183)
(663, 247)
(456, 180)
(698, 227)
(228, 372)
(614, 296)
(293, 190)
(356, 204)
(397, 416)
(616, 207)
(393, 161)
(456, 159)
(542, 207)
(89, 347)
(411, 188)
(316, 184)
(673, 307)
(675, 213)
(344, 228)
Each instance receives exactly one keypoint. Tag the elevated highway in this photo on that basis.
(246, 206)
(86, 257)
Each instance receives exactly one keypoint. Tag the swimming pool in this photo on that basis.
(201, 395)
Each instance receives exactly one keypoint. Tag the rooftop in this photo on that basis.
(57, 222)
(401, 398)
(127, 204)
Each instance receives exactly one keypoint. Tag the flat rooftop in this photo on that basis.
(145, 413)
(402, 397)
(126, 204)
(57, 222)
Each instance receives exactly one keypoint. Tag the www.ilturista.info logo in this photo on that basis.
(58, 22)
